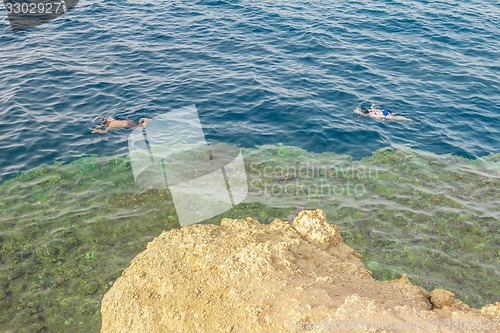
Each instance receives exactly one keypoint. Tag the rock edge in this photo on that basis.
(244, 276)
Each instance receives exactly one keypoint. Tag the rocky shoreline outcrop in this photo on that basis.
(244, 276)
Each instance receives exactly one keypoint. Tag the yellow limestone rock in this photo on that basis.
(243, 276)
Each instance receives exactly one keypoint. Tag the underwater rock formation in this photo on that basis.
(244, 276)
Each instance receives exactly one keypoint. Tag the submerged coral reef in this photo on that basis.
(67, 231)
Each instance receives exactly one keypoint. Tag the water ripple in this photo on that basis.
(288, 72)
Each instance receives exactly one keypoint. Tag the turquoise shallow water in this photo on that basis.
(260, 73)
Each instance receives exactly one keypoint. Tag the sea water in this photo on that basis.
(260, 73)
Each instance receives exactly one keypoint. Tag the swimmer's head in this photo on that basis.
(366, 111)
(104, 121)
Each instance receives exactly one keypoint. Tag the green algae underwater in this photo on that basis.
(67, 231)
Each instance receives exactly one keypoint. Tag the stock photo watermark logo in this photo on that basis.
(26, 14)
(171, 153)
(308, 180)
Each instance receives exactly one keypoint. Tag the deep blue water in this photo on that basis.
(260, 72)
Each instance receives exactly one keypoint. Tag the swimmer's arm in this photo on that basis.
(100, 131)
